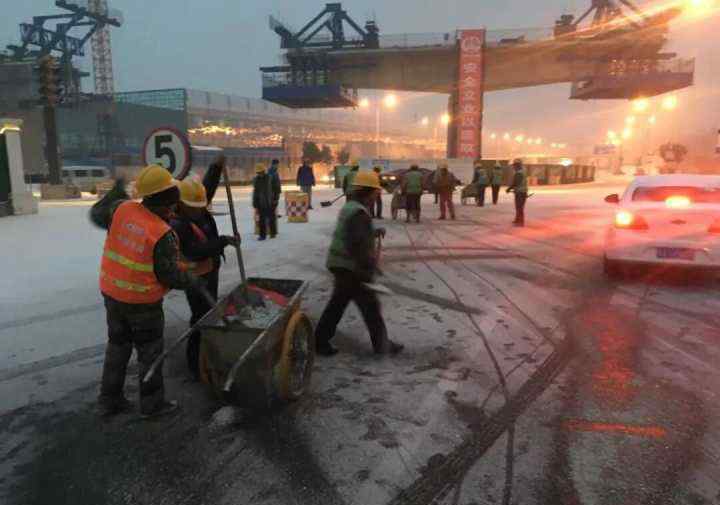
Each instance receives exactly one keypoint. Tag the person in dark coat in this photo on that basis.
(519, 186)
(481, 180)
(273, 172)
(201, 248)
(353, 262)
(266, 194)
(378, 206)
(306, 179)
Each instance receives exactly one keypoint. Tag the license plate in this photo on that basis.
(674, 253)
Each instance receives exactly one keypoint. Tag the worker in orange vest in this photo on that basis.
(201, 248)
(139, 266)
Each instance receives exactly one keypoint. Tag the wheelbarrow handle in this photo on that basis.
(241, 360)
(182, 338)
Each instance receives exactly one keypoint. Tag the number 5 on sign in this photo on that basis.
(169, 148)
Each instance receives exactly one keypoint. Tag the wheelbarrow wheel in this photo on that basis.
(296, 361)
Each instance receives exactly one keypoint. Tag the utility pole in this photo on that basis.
(50, 80)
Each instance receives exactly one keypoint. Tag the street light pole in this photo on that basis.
(377, 130)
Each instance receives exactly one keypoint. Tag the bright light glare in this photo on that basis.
(652, 120)
(677, 202)
(425, 121)
(624, 218)
(566, 162)
(612, 135)
(493, 136)
(520, 138)
(630, 120)
(670, 102)
(698, 8)
(627, 133)
(445, 119)
(364, 103)
(506, 136)
(390, 101)
(641, 105)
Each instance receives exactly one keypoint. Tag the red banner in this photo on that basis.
(470, 93)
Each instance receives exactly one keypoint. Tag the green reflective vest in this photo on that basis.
(413, 181)
(497, 176)
(349, 180)
(522, 187)
(482, 176)
(339, 256)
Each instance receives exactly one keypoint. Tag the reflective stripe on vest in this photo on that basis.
(339, 256)
(197, 267)
(127, 270)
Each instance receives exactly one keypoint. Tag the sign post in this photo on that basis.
(170, 148)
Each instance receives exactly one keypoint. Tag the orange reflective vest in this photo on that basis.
(197, 267)
(127, 271)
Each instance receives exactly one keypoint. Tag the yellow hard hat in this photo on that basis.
(259, 168)
(442, 165)
(193, 194)
(153, 179)
(367, 179)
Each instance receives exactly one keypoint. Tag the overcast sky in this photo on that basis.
(218, 45)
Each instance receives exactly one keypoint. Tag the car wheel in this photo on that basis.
(613, 269)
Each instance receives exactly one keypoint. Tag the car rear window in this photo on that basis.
(98, 173)
(661, 193)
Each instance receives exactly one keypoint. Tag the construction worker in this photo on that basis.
(412, 188)
(480, 179)
(348, 180)
(378, 206)
(444, 183)
(496, 181)
(520, 188)
(266, 194)
(201, 247)
(139, 266)
(306, 179)
(353, 262)
(273, 172)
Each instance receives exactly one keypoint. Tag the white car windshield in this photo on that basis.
(661, 193)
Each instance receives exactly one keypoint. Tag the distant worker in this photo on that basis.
(265, 198)
(273, 172)
(480, 179)
(412, 188)
(353, 262)
(348, 180)
(520, 188)
(139, 266)
(378, 207)
(496, 182)
(444, 183)
(306, 179)
(201, 248)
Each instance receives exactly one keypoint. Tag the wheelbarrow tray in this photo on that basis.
(255, 383)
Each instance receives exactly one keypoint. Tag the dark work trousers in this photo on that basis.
(141, 327)
(520, 199)
(481, 188)
(349, 288)
(308, 191)
(495, 193)
(268, 219)
(412, 206)
(199, 306)
(377, 208)
(446, 202)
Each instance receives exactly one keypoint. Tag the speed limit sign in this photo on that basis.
(169, 148)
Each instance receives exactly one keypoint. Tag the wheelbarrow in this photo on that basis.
(398, 202)
(264, 360)
(469, 191)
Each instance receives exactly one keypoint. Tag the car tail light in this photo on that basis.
(677, 202)
(629, 221)
(715, 227)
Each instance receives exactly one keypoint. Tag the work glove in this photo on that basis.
(380, 232)
(233, 241)
(197, 283)
(508, 190)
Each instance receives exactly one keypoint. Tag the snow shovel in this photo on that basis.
(379, 288)
(329, 203)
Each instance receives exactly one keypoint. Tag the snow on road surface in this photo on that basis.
(527, 377)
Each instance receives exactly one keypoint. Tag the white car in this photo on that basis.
(665, 220)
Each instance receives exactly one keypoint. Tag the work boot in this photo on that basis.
(326, 349)
(107, 409)
(167, 407)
